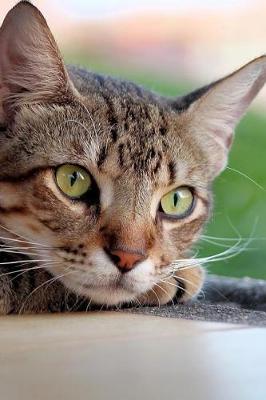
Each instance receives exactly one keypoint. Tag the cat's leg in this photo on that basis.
(6, 295)
(190, 282)
(183, 286)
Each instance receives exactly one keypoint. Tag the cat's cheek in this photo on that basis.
(10, 196)
(21, 223)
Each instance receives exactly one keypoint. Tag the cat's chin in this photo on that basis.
(110, 296)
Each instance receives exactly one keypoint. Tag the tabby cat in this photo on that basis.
(104, 185)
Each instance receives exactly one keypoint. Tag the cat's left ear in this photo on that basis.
(213, 112)
(31, 67)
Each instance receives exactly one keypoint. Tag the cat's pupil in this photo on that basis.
(176, 197)
(73, 178)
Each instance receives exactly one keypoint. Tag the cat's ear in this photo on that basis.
(31, 67)
(214, 111)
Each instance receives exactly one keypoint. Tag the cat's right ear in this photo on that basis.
(31, 67)
(213, 112)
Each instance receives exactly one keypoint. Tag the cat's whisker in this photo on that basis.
(26, 253)
(19, 261)
(205, 260)
(16, 270)
(226, 246)
(77, 303)
(191, 283)
(179, 287)
(118, 306)
(182, 279)
(23, 250)
(138, 302)
(154, 292)
(247, 177)
(52, 262)
(226, 254)
(27, 240)
(230, 239)
(23, 247)
(163, 290)
(241, 244)
(224, 239)
(22, 272)
(88, 305)
(189, 266)
(102, 307)
(8, 239)
(12, 239)
(67, 298)
(229, 253)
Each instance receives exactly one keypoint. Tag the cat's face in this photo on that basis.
(111, 181)
(122, 210)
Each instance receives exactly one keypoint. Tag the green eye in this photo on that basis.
(73, 180)
(178, 203)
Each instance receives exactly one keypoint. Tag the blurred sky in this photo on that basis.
(192, 40)
(103, 8)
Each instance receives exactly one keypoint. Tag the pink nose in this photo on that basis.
(125, 260)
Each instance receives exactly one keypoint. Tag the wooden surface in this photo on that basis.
(121, 356)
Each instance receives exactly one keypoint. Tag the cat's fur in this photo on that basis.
(137, 146)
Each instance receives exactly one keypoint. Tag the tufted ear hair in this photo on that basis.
(31, 67)
(214, 111)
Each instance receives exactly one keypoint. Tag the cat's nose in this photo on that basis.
(125, 260)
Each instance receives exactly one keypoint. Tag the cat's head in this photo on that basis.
(110, 180)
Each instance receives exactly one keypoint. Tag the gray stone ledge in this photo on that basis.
(230, 300)
(246, 292)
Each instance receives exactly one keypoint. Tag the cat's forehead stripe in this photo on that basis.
(172, 172)
(102, 156)
(111, 116)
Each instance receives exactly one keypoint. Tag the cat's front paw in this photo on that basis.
(182, 287)
(190, 282)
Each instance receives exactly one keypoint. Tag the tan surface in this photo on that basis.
(123, 356)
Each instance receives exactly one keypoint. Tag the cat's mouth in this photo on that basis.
(115, 290)
(102, 282)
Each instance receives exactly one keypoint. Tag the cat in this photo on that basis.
(104, 186)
